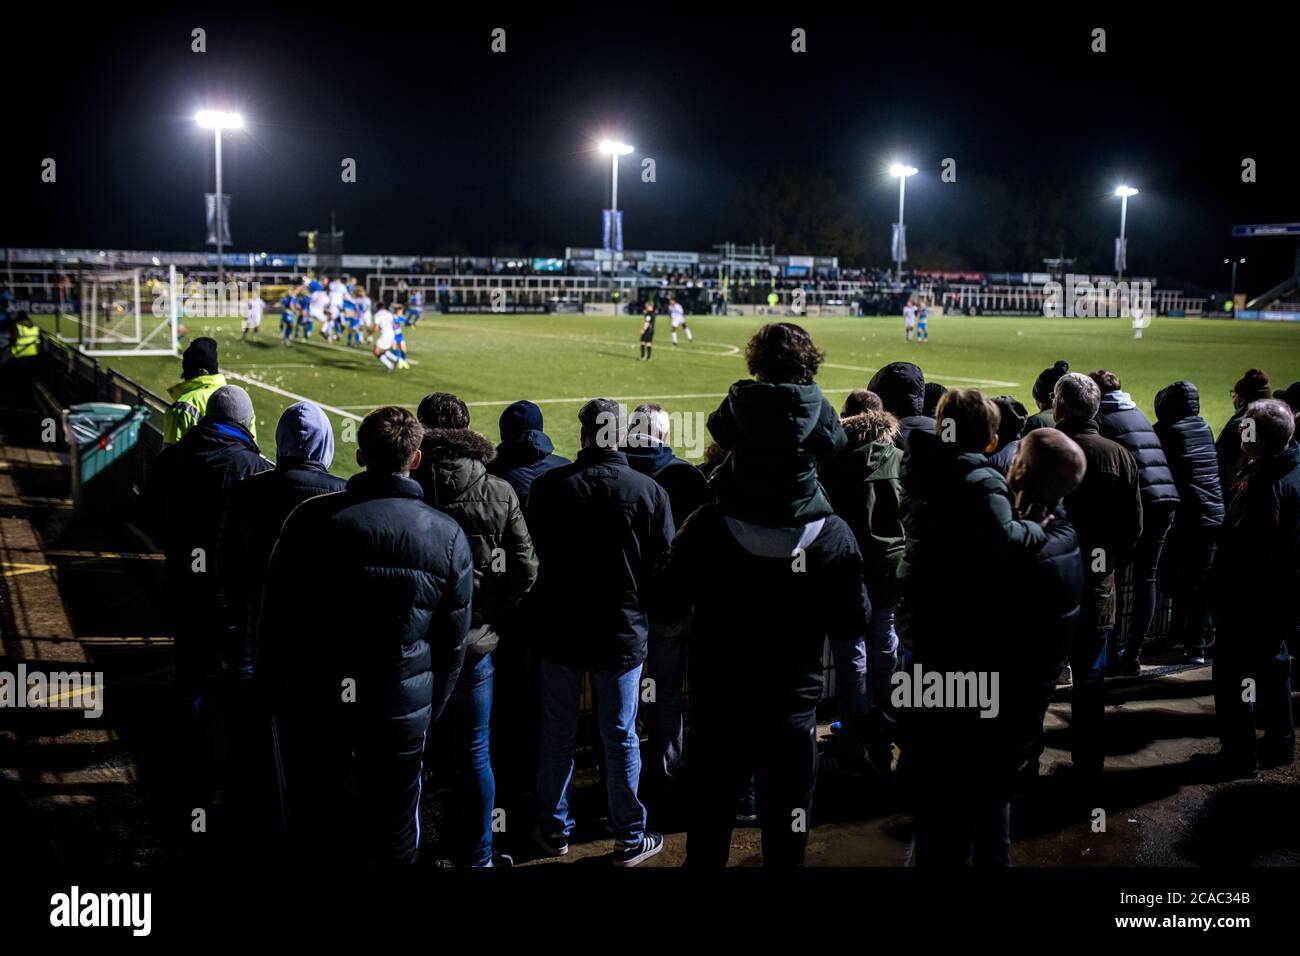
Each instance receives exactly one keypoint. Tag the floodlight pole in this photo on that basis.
(902, 194)
(221, 266)
(1123, 221)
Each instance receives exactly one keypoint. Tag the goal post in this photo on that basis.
(128, 313)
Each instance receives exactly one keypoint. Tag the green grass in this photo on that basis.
(559, 361)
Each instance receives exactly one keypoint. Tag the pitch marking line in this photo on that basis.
(288, 394)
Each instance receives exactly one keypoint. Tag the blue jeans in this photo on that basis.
(616, 702)
(470, 712)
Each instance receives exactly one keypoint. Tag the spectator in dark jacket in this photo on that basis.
(181, 508)
(865, 488)
(963, 811)
(304, 451)
(933, 392)
(356, 683)
(1010, 427)
(1119, 419)
(1254, 583)
(1106, 511)
(1291, 395)
(901, 387)
(599, 527)
(1252, 386)
(525, 450)
(1044, 388)
(764, 600)
(453, 476)
(649, 452)
(1189, 550)
(778, 427)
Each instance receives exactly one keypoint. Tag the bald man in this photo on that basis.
(966, 818)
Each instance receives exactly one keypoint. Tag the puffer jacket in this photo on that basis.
(1120, 420)
(1193, 462)
(901, 387)
(453, 475)
(864, 485)
(777, 436)
(407, 579)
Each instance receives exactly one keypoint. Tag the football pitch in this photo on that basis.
(560, 361)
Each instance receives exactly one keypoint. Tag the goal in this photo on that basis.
(128, 313)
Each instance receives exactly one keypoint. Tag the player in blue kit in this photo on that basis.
(352, 320)
(414, 307)
(922, 316)
(399, 339)
(288, 317)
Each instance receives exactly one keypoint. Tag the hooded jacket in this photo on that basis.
(453, 475)
(525, 450)
(686, 485)
(761, 615)
(398, 633)
(1256, 573)
(599, 528)
(1189, 449)
(865, 489)
(1119, 419)
(901, 387)
(1106, 511)
(777, 435)
(258, 506)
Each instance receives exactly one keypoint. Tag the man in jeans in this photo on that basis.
(598, 527)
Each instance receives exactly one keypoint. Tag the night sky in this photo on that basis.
(462, 151)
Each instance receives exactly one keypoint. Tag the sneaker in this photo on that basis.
(1067, 676)
(650, 844)
(551, 845)
(1129, 667)
(501, 859)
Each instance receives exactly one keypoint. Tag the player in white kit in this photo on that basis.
(320, 300)
(253, 310)
(679, 318)
(909, 319)
(384, 350)
(338, 292)
(364, 315)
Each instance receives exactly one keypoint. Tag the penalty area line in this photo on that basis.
(288, 394)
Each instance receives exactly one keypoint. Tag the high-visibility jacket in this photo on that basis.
(26, 341)
(189, 404)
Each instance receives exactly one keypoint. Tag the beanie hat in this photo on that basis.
(522, 416)
(1253, 385)
(1045, 384)
(200, 358)
(231, 403)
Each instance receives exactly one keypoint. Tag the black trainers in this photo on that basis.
(551, 845)
(650, 844)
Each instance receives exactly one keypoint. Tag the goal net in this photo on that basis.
(127, 313)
